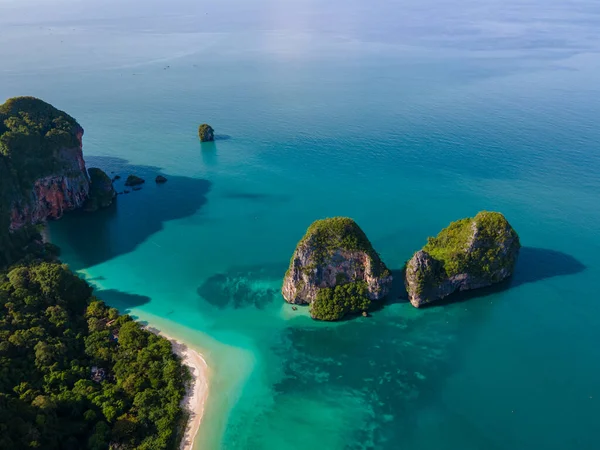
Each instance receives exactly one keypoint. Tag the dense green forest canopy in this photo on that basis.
(341, 300)
(75, 374)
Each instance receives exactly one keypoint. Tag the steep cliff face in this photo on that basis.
(469, 254)
(306, 277)
(335, 252)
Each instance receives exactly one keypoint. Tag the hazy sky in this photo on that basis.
(91, 33)
(484, 23)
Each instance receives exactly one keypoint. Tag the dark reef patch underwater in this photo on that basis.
(243, 287)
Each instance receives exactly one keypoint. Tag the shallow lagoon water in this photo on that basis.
(404, 117)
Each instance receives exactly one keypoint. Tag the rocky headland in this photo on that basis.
(42, 171)
(469, 254)
(336, 270)
(41, 162)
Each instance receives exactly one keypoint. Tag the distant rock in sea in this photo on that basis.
(160, 179)
(133, 180)
(469, 254)
(206, 133)
(336, 270)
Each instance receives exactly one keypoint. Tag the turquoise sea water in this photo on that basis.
(403, 116)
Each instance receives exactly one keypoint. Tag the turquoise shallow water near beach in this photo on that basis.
(404, 117)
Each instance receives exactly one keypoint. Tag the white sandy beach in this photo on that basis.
(197, 392)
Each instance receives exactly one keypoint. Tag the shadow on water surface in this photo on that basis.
(534, 264)
(123, 301)
(537, 264)
(257, 197)
(133, 218)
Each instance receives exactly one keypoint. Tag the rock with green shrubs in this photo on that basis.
(335, 270)
(469, 254)
(102, 192)
(206, 133)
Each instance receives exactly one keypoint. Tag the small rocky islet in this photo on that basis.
(206, 133)
(336, 271)
(468, 254)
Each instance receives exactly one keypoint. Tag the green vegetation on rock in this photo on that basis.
(344, 299)
(325, 236)
(473, 245)
(468, 254)
(76, 374)
(336, 270)
(31, 133)
(206, 133)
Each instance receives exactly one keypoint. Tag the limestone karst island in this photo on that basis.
(469, 254)
(335, 270)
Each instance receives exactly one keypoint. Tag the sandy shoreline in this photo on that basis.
(197, 391)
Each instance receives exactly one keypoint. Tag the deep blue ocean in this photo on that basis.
(402, 115)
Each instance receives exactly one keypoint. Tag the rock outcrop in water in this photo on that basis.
(206, 133)
(102, 192)
(336, 270)
(469, 254)
(134, 180)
